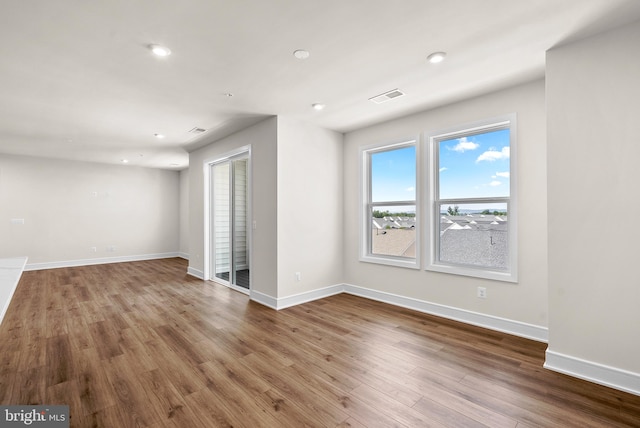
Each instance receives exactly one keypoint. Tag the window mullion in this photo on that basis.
(471, 204)
(384, 165)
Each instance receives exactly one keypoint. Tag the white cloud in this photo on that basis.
(493, 155)
(444, 168)
(503, 174)
(495, 183)
(410, 189)
(464, 145)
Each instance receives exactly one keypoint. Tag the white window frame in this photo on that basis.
(366, 205)
(432, 234)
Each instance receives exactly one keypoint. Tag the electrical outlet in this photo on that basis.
(94, 249)
(298, 276)
(482, 292)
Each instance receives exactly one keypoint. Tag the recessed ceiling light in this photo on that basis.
(160, 50)
(160, 136)
(436, 57)
(301, 54)
(228, 94)
(318, 106)
(125, 160)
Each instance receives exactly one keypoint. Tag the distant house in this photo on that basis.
(468, 239)
(474, 239)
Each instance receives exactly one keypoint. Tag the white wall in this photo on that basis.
(296, 178)
(309, 207)
(69, 207)
(263, 140)
(184, 213)
(593, 115)
(524, 302)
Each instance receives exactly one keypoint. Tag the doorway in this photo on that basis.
(229, 222)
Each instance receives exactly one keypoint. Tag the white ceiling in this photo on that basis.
(78, 82)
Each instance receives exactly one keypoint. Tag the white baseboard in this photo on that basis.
(516, 328)
(10, 272)
(264, 299)
(183, 255)
(195, 272)
(297, 299)
(98, 261)
(593, 372)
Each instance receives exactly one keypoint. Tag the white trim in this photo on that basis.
(183, 255)
(365, 253)
(264, 299)
(195, 272)
(593, 372)
(308, 296)
(296, 299)
(14, 267)
(99, 261)
(391, 261)
(516, 328)
(431, 231)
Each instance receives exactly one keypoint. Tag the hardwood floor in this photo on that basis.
(143, 344)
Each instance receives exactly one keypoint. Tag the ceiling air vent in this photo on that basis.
(387, 96)
(197, 130)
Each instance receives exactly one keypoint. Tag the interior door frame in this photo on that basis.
(209, 270)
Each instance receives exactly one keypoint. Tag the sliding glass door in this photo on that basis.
(230, 214)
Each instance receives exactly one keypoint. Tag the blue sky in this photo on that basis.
(473, 166)
(393, 175)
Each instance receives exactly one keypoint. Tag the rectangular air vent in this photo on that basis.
(197, 130)
(387, 96)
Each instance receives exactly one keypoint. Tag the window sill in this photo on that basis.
(391, 261)
(473, 272)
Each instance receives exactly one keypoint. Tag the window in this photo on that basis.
(472, 201)
(389, 220)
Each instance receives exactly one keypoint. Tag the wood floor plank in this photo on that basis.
(106, 339)
(78, 329)
(166, 401)
(284, 411)
(29, 386)
(395, 410)
(106, 418)
(211, 412)
(179, 345)
(65, 394)
(351, 423)
(285, 380)
(145, 344)
(184, 377)
(95, 391)
(238, 393)
(59, 359)
(132, 399)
